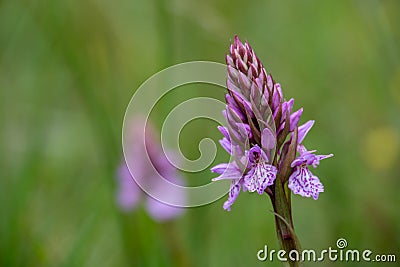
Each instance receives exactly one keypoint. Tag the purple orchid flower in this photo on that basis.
(261, 174)
(129, 194)
(302, 181)
(262, 132)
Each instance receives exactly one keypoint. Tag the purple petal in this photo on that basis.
(304, 129)
(269, 82)
(259, 82)
(220, 168)
(244, 130)
(244, 82)
(233, 73)
(287, 107)
(275, 101)
(303, 182)
(232, 119)
(229, 61)
(224, 113)
(302, 149)
(233, 194)
(317, 159)
(297, 162)
(308, 157)
(234, 106)
(241, 65)
(239, 155)
(239, 97)
(267, 139)
(160, 211)
(128, 192)
(226, 144)
(294, 119)
(254, 154)
(227, 171)
(279, 89)
(266, 92)
(224, 131)
(260, 177)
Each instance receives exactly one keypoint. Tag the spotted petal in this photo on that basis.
(260, 177)
(234, 191)
(303, 182)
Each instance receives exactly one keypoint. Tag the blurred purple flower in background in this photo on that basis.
(129, 194)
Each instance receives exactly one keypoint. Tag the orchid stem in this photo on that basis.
(287, 238)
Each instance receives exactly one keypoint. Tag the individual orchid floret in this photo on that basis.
(230, 171)
(261, 174)
(302, 181)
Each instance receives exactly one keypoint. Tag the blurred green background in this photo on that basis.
(69, 68)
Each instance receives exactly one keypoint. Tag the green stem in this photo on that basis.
(283, 221)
